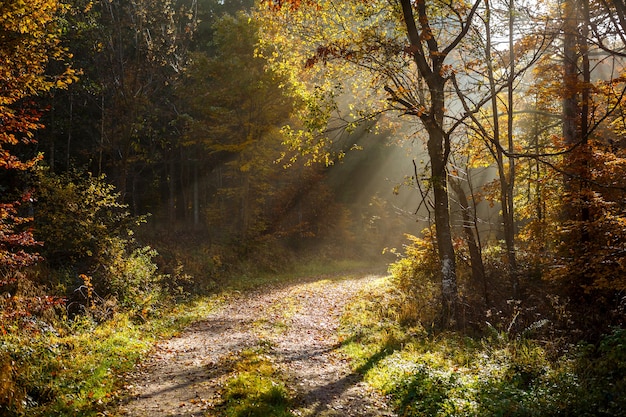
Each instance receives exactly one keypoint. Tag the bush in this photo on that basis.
(88, 247)
(415, 274)
(135, 281)
(76, 217)
(503, 374)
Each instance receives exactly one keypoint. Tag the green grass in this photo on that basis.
(256, 388)
(75, 368)
(449, 374)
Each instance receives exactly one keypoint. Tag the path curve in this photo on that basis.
(183, 376)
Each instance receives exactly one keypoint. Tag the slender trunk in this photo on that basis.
(431, 69)
(171, 180)
(51, 155)
(102, 121)
(69, 132)
(196, 197)
(506, 177)
(509, 220)
(134, 197)
(571, 109)
(584, 121)
(469, 227)
(181, 195)
(535, 176)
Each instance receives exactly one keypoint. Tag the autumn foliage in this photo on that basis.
(29, 44)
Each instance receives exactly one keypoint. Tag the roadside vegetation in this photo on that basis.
(75, 367)
(501, 370)
(68, 338)
(60, 365)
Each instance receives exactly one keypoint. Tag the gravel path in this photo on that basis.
(299, 321)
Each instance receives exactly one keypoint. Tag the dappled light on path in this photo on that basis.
(296, 325)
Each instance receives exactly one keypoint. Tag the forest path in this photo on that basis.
(184, 375)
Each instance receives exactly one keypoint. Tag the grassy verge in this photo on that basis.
(453, 375)
(75, 368)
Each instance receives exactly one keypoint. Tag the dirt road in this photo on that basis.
(184, 375)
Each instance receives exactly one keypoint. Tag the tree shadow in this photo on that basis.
(190, 380)
(319, 400)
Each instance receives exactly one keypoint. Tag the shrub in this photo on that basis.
(504, 374)
(414, 274)
(135, 281)
(76, 217)
(88, 247)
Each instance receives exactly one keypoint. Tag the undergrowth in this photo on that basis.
(75, 368)
(499, 374)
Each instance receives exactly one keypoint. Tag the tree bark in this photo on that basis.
(506, 177)
(509, 219)
(438, 161)
(469, 226)
(571, 109)
(429, 63)
(576, 111)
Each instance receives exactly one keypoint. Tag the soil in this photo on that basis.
(184, 375)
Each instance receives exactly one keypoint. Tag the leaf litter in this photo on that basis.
(184, 375)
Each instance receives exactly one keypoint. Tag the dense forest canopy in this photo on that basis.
(154, 148)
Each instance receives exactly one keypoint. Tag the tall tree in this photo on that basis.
(593, 93)
(430, 59)
(29, 46)
(504, 69)
(406, 48)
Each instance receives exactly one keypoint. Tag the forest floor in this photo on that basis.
(296, 322)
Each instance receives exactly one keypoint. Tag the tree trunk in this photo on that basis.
(584, 121)
(509, 220)
(506, 177)
(576, 112)
(430, 66)
(469, 226)
(570, 88)
(69, 133)
(196, 196)
(439, 183)
(171, 204)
